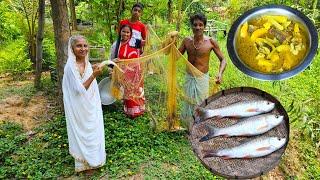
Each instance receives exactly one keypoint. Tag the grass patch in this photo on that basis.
(132, 148)
(26, 91)
(44, 156)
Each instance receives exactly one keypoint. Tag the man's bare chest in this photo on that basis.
(199, 50)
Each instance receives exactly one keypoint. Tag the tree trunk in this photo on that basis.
(33, 48)
(179, 15)
(37, 79)
(169, 11)
(33, 33)
(59, 13)
(31, 18)
(109, 23)
(73, 15)
(120, 10)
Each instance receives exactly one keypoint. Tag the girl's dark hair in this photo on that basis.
(119, 38)
(199, 16)
(139, 5)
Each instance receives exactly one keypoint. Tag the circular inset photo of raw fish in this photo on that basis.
(240, 132)
(272, 42)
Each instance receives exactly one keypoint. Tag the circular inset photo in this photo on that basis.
(240, 132)
(272, 42)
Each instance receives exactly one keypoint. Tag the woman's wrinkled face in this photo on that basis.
(125, 33)
(80, 48)
(198, 27)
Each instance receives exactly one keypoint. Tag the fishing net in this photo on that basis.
(159, 76)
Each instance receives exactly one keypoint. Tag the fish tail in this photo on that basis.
(204, 138)
(226, 157)
(204, 114)
(212, 113)
(211, 133)
(201, 114)
(211, 129)
(209, 153)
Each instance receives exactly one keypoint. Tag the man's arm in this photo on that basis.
(144, 32)
(182, 47)
(223, 62)
(143, 36)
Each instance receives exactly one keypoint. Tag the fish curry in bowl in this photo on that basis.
(272, 42)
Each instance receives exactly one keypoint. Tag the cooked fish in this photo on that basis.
(256, 148)
(248, 127)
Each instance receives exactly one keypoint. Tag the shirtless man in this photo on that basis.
(198, 49)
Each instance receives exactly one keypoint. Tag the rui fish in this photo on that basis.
(258, 147)
(248, 127)
(239, 110)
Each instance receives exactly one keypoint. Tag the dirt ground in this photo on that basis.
(29, 113)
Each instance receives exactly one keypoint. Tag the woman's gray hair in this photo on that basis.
(74, 38)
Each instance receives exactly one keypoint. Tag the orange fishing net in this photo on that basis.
(159, 76)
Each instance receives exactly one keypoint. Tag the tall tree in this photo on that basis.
(37, 79)
(73, 15)
(109, 21)
(29, 8)
(179, 15)
(169, 16)
(59, 13)
(120, 10)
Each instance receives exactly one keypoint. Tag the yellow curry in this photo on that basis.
(271, 44)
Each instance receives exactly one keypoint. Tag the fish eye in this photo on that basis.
(268, 103)
(277, 116)
(279, 139)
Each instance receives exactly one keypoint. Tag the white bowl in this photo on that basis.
(105, 91)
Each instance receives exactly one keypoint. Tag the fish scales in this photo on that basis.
(258, 147)
(239, 110)
(247, 127)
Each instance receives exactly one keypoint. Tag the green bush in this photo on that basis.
(99, 37)
(45, 155)
(49, 54)
(13, 58)
(9, 24)
(9, 138)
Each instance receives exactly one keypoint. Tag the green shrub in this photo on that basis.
(9, 138)
(10, 23)
(45, 155)
(13, 58)
(49, 54)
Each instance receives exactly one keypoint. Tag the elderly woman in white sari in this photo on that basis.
(83, 109)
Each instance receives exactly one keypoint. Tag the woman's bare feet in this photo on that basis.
(89, 172)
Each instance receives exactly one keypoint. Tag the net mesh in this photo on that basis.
(159, 76)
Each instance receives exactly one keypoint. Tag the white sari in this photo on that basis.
(84, 118)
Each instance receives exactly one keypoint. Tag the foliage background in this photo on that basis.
(134, 150)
